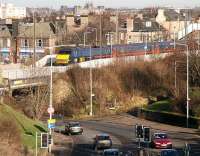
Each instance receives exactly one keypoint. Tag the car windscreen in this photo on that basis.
(103, 137)
(74, 125)
(111, 154)
(160, 136)
(168, 153)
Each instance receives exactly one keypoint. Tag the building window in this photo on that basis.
(1, 43)
(24, 43)
(39, 43)
(8, 43)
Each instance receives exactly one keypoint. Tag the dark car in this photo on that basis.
(169, 152)
(112, 152)
(102, 141)
(73, 128)
(160, 141)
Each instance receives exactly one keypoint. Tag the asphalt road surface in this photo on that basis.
(123, 135)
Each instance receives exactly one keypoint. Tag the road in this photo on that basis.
(121, 130)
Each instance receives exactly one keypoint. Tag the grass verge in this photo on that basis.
(27, 127)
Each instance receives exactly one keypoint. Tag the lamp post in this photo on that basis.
(51, 109)
(91, 89)
(188, 99)
(91, 84)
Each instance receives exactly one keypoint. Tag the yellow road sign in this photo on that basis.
(51, 121)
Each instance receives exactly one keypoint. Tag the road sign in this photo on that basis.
(44, 140)
(51, 125)
(51, 121)
(50, 110)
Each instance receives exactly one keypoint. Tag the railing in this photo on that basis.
(189, 29)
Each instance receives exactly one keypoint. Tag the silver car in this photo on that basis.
(73, 128)
(102, 141)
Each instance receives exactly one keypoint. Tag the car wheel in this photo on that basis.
(170, 147)
(152, 145)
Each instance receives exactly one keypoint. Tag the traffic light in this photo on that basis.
(44, 140)
(147, 134)
(50, 140)
(139, 131)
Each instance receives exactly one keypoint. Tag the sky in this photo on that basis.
(107, 3)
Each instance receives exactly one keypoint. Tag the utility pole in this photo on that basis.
(174, 39)
(175, 75)
(51, 95)
(175, 60)
(100, 36)
(187, 86)
(117, 27)
(34, 49)
(91, 91)
(198, 41)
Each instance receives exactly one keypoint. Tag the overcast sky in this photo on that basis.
(107, 3)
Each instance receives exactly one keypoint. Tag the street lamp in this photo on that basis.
(51, 109)
(187, 122)
(93, 29)
(91, 88)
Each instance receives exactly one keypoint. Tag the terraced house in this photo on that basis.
(45, 36)
(5, 43)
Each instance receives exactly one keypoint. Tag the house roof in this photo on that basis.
(146, 26)
(172, 15)
(42, 30)
(4, 31)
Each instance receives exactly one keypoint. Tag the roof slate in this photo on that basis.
(42, 30)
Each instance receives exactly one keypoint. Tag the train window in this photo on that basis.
(65, 51)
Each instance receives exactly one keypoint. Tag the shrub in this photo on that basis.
(9, 138)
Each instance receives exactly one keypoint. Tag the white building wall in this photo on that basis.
(10, 11)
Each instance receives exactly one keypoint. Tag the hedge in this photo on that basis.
(165, 117)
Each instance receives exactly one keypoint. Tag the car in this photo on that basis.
(102, 141)
(112, 152)
(73, 128)
(169, 152)
(160, 141)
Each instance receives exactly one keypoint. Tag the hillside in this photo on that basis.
(17, 132)
(125, 85)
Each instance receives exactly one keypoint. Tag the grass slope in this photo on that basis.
(27, 127)
(164, 105)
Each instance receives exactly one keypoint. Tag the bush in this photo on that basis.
(9, 138)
